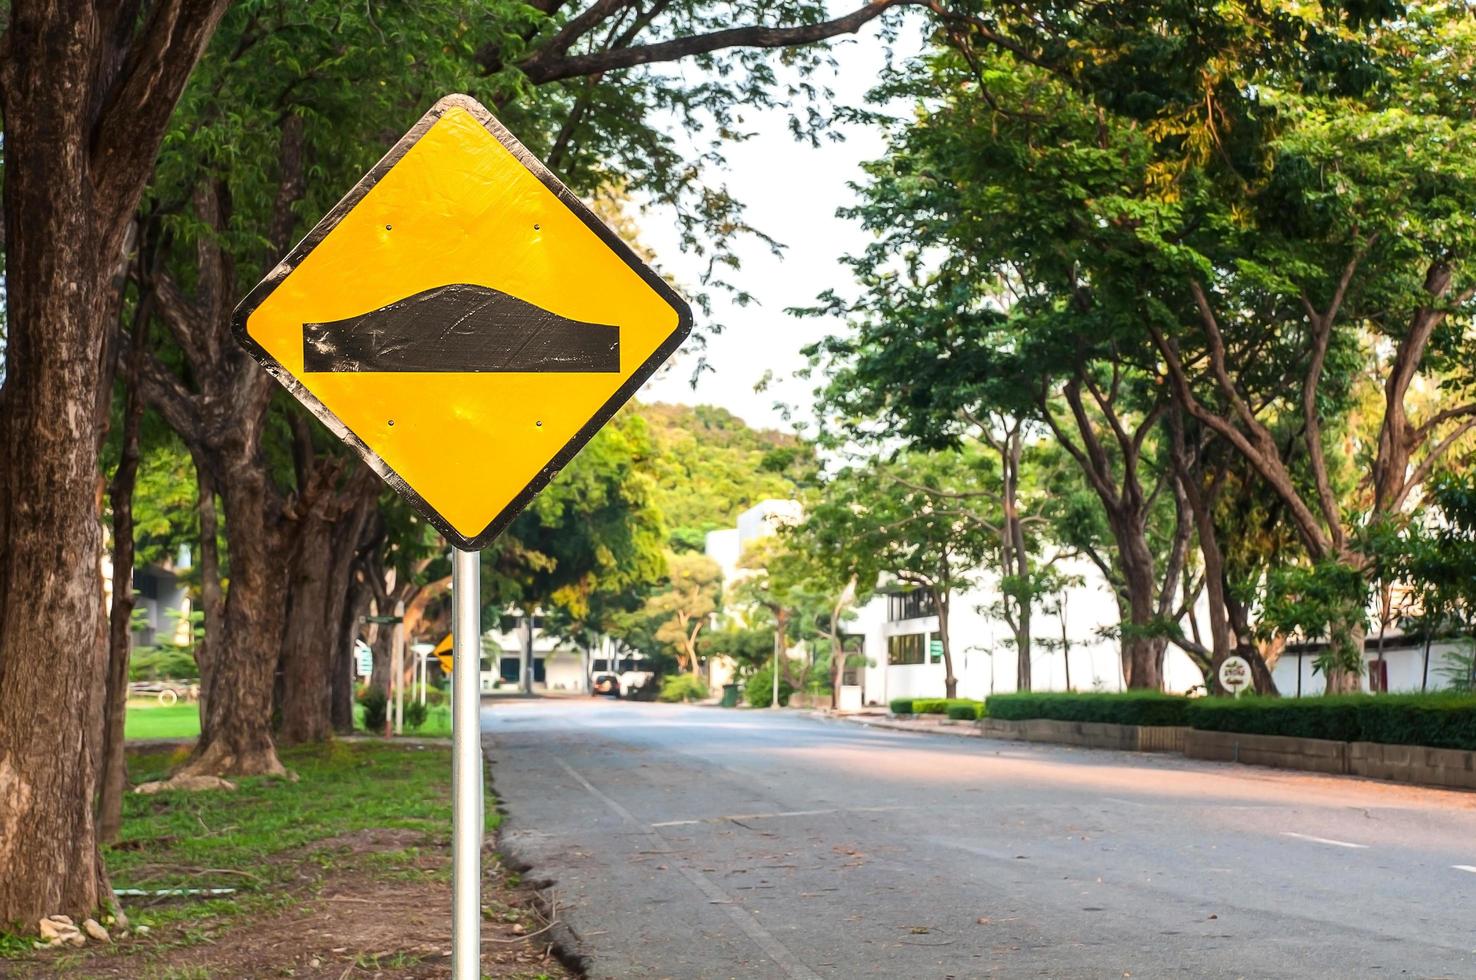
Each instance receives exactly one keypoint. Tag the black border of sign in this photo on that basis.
(567, 198)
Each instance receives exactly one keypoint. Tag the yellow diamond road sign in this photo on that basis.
(463, 321)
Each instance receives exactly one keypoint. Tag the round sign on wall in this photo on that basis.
(1235, 675)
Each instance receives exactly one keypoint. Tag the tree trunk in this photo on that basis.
(1065, 645)
(235, 718)
(50, 540)
(1140, 648)
(345, 675)
(1016, 558)
(1341, 675)
(950, 682)
(120, 633)
(85, 95)
(308, 636)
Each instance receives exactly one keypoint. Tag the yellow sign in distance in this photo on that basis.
(442, 652)
(462, 321)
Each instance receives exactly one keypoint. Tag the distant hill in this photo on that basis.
(712, 466)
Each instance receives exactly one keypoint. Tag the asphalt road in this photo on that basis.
(700, 842)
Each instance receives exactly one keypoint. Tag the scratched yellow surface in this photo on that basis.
(460, 208)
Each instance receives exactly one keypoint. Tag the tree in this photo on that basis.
(86, 95)
(684, 604)
(235, 192)
(821, 559)
(711, 466)
(1438, 557)
(914, 515)
(593, 539)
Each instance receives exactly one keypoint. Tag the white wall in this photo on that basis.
(984, 656)
(1406, 668)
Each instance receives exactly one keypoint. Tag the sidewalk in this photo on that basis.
(926, 724)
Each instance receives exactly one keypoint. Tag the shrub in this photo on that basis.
(164, 663)
(1126, 708)
(939, 706)
(1441, 721)
(758, 690)
(972, 711)
(900, 706)
(1437, 720)
(415, 715)
(376, 707)
(682, 687)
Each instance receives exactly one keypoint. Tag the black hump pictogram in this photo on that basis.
(460, 328)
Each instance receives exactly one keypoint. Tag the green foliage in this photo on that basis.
(1438, 720)
(900, 706)
(748, 647)
(1125, 708)
(1334, 717)
(758, 688)
(1322, 601)
(592, 539)
(711, 466)
(680, 608)
(163, 663)
(941, 706)
(682, 687)
(966, 712)
(376, 709)
(415, 715)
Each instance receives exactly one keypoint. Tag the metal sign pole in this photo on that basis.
(466, 767)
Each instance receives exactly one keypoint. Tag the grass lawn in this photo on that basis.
(146, 720)
(344, 868)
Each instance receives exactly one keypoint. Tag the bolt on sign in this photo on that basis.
(462, 321)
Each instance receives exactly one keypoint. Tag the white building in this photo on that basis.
(556, 666)
(1406, 665)
(897, 632)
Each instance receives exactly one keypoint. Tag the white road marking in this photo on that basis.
(728, 818)
(745, 920)
(1322, 840)
(1465, 867)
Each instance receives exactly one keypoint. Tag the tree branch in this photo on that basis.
(546, 65)
(136, 110)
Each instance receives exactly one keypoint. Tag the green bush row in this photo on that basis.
(682, 687)
(1126, 708)
(758, 689)
(1438, 720)
(972, 711)
(933, 706)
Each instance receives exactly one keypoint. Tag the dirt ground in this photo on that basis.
(359, 911)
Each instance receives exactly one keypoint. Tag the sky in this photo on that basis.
(791, 191)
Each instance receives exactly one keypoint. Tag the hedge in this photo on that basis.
(933, 706)
(972, 711)
(1127, 708)
(1438, 720)
(939, 706)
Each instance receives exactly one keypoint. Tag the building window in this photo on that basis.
(910, 605)
(909, 648)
